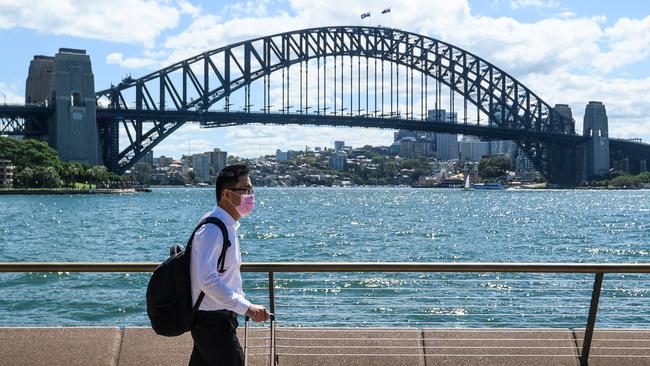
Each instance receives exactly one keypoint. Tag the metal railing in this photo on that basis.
(490, 289)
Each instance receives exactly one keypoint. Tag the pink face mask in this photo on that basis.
(247, 204)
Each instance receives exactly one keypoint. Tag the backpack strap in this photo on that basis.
(226, 241)
(222, 256)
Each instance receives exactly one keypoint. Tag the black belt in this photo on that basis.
(227, 313)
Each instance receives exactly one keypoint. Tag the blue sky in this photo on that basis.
(566, 51)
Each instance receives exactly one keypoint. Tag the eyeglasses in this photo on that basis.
(245, 190)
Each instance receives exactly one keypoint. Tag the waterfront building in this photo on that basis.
(500, 147)
(218, 160)
(285, 155)
(162, 161)
(524, 168)
(201, 166)
(473, 149)
(6, 173)
(338, 160)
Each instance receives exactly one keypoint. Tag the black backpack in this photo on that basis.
(169, 292)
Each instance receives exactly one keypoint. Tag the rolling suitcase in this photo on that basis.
(272, 360)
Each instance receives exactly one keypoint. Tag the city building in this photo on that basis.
(201, 166)
(409, 148)
(524, 168)
(285, 155)
(473, 149)
(218, 160)
(147, 158)
(393, 149)
(338, 145)
(446, 144)
(162, 161)
(500, 147)
(338, 160)
(6, 173)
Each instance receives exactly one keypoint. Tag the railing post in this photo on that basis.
(271, 293)
(272, 356)
(591, 320)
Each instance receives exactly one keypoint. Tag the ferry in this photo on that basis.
(488, 186)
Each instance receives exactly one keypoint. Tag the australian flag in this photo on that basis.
(387, 10)
(365, 15)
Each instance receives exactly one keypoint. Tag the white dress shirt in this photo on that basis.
(222, 290)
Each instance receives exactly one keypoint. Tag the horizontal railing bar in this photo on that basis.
(493, 297)
(449, 306)
(341, 267)
(483, 279)
(370, 289)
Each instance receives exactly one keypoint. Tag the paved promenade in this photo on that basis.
(330, 346)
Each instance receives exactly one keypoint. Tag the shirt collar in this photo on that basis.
(222, 214)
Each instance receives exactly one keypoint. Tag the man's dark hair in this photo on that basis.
(229, 176)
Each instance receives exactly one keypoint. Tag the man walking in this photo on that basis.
(213, 332)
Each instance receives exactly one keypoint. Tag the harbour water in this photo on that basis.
(341, 224)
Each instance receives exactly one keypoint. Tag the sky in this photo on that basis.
(569, 52)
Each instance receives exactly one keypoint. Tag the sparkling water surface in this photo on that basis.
(342, 225)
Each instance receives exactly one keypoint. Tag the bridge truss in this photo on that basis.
(353, 76)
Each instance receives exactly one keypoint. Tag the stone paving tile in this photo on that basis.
(64, 346)
(617, 347)
(459, 347)
(340, 346)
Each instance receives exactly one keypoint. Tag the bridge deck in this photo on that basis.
(317, 346)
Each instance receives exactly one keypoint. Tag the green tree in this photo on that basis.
(24, 178)
(191, 177)
(644, 177)
(28, 153)
(626, 181)
(493, 166)
(142, 173)
(46, 177)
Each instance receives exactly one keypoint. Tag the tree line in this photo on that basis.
(38, 166)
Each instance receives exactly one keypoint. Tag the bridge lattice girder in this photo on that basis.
(24, 120)
(197, 83)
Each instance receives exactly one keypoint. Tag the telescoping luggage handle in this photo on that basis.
(272, 351)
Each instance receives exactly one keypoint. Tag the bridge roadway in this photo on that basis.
(70, 346)
(222, 119)
(10, 112)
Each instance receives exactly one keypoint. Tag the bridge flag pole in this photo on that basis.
(387, 11)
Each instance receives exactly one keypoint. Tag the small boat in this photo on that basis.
(488, 186)
(467, 185)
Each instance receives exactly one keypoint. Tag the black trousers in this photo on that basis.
(215, 340)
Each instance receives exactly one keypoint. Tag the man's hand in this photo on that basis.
(258, 313)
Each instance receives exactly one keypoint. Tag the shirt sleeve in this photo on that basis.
(206, 248)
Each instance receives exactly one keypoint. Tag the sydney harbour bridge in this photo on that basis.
(351, 76)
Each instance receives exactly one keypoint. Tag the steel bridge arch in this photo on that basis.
(507, 102)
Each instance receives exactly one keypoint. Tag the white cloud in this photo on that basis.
(130, 62)
(629, 42)
(187, 8)
(124, 21)
(515, 4)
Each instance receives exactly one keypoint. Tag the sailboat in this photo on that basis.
(467, 185)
